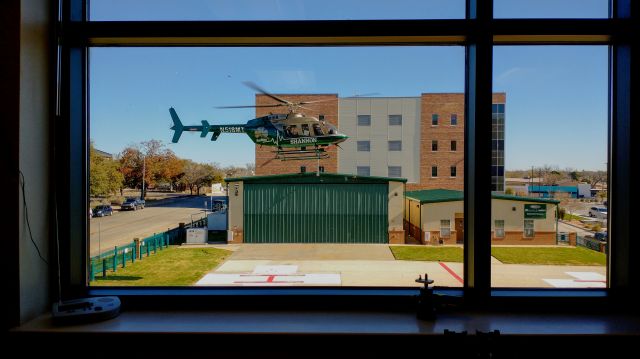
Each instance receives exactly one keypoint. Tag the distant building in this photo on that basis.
(417, 138)
(104, 154)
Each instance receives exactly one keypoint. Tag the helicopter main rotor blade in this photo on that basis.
(264, 92)
(249, 106)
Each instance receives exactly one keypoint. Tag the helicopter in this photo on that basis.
(295, 135)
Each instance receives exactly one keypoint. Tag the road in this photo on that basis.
(124, 226)
(564, 227)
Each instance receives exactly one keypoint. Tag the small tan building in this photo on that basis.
(316, 208)
(437, 217)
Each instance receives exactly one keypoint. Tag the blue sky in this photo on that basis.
(556, 96)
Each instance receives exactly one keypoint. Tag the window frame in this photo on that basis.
(362, 142)
(389, 147)
(358, 117)
(478, 32)
(395, 117)
(389, 171)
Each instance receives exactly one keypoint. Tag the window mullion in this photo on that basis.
(477, 147)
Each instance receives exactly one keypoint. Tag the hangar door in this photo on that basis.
(315, 213)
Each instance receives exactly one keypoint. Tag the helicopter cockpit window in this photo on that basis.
(292, 131)
(317, 130)
(305, 129)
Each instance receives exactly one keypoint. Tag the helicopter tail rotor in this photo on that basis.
(177, 126)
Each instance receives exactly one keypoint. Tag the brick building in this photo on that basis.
(417, 138)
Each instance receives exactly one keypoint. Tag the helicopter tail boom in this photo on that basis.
(204, 129)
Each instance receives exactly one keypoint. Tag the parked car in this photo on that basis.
(103, 210)
(598, 212)
(132, 204)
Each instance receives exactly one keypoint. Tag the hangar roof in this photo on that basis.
(313, 177)
(447, 195)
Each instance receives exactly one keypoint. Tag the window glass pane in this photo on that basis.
(454, 119)
(549, 166)
(174, 10)
(551, 8)
(224, 162)
(364, 120)
(363, 171)
(395, 120)
(364, 146)
(434, 119)
(454, 145)
(395, 171)
(454, 171)
(395, 145)
(434, 145)
(434, 171)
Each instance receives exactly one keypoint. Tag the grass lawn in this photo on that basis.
(169, 267)
(569, 217)
(431, 254)
(549, 255)
(508, 255)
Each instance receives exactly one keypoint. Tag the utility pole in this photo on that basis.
(144, 165)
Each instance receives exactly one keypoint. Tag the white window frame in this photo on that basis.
(498, 231)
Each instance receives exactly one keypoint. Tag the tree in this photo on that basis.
(197, 175)
(158, 163)
(105, 177)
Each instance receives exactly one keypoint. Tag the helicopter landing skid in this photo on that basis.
(292, 155)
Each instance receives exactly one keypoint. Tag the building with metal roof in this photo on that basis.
(437, 217)
(316, 208)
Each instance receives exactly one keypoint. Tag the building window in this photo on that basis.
(434, 119)
(454, 171)
(499, 228)
(454, 146)
(434, 146)
(364, 146)
(528, 228)
(321, 118)
(454, 119)
(395, 145)
(445, 228)
(395, 171)
(364, 120)
(363, 170)
(434, 171)
(395, 120)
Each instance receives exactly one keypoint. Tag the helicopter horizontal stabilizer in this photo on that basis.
(205, 128)
(177, 126)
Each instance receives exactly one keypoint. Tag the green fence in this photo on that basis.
(121, 256)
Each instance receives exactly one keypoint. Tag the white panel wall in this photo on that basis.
(379, 133)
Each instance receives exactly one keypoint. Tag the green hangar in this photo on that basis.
(315, 208)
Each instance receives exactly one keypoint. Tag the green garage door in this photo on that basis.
(315, 213)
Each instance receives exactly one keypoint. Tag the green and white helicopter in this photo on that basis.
(295, 135)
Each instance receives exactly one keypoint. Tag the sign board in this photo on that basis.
(535, 211)
(196, 235)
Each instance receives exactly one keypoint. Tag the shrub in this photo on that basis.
(562, 212)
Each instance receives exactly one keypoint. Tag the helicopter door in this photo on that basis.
(317, 130)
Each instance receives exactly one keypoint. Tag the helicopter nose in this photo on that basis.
(342, 138)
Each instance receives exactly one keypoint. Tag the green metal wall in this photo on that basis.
(315, 213)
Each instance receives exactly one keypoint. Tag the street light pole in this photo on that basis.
(144, 165)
